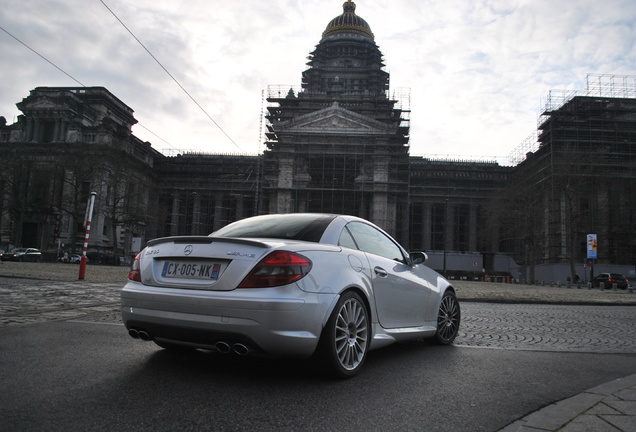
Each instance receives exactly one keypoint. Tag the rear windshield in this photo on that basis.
(305, 227)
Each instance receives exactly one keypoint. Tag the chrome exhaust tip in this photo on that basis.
(144, 336)
(240, 349)
(222, 347)
(133, 333)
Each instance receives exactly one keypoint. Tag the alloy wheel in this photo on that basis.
(448, 319)
(351, 333)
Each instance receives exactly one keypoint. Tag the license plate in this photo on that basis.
(190, 270)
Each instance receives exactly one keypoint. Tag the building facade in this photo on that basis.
(339, 143)
(68, 143)
(579, 180)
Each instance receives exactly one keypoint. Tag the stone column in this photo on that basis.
(35, 137)
(239, 207)
(28, 133)
(449, 227)
(472, 222)
(174, 217)
(380, 211)
(285, 184)
(218, 214)
(427, 226)
(57, 130)
(196, 215)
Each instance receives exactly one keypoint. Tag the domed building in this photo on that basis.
(339, 143)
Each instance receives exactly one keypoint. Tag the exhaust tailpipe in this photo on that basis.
(222, 347)
(144, 336)
(139, 334)
(240, 349)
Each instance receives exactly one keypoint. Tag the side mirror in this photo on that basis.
(418, 257)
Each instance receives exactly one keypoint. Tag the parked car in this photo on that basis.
(609, 279)
(75, 259)
(300, 285)
(71, 259)
(22, 254)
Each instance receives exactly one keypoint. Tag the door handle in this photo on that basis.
(380, 272)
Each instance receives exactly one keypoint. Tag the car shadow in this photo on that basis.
(201, 365)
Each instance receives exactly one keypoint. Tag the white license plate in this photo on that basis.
(190, 270)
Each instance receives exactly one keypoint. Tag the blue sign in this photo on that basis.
(592, 246)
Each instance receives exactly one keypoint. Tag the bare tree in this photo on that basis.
(515, 211)
(124, 204)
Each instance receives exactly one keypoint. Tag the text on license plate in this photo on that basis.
(191, 270)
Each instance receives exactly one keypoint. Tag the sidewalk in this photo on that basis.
(539, 294)
(608, 407)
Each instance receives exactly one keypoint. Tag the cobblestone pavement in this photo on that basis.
(490, 316)
(25, 301)
(541, 327)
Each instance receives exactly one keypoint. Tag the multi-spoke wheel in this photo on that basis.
(448, 318)
(345, 339)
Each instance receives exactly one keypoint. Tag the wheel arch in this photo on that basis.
(365, 298)
(364, 295)
(450, 288)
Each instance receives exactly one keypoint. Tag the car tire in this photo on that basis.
(448, 319)
(344, 342)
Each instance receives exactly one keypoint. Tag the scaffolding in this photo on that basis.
(519, 153)
(277, 94)
(578, 172)
(598, 85)
(362, 170)
(614, 86)
(200, 193)
(462, 159)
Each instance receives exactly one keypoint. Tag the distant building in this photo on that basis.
(579, 179)
(68, 143)
(338, 143)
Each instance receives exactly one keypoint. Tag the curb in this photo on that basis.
(594, 409)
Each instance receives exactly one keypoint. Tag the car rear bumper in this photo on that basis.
(283, 321)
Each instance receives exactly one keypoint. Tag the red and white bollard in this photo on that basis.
(89, 217)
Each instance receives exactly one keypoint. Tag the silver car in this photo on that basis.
(299, 285)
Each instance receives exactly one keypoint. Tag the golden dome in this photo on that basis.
(348, 22)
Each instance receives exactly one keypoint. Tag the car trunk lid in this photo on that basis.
(199, 262)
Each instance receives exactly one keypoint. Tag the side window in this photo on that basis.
(373, 241)
(346, 240)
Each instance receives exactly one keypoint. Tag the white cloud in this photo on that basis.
(477, 69)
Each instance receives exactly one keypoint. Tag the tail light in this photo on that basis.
(277, 269)
(135, 272)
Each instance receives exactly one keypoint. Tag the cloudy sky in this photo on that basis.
(479, 71)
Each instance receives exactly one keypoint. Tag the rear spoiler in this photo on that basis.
(206, 240)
